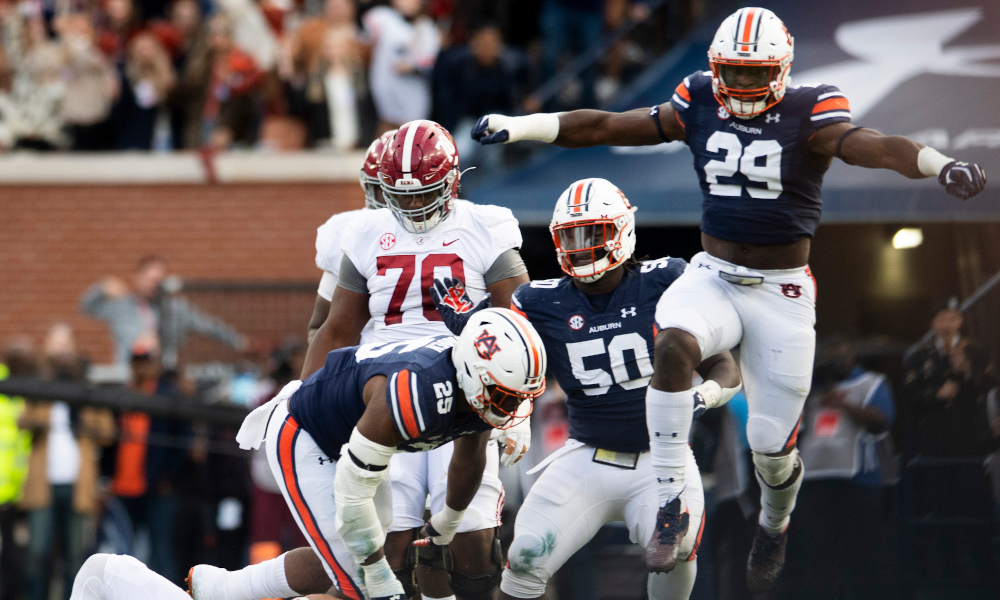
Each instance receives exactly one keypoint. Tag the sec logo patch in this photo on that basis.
(723, 113)
(576, 322)
(387, 241)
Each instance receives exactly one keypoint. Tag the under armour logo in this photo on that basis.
(668, 480)
(704, 266)
(775, 118)
(323, 459)
(628, 312)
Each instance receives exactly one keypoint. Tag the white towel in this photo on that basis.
(254, 427)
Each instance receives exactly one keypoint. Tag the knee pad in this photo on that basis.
(480, 587)
(525, 576)
(406, 574)
(434, 557)
(767, 435)
(778, 472)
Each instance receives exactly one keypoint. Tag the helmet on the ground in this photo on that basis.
(500, 362)
(593, 229)
(750, 56)
(419, 175)
(369, 171)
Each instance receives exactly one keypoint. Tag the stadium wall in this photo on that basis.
(59, 239)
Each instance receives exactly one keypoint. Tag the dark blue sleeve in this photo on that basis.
(664, 271)
(686, 96)
(830, 106)
(881, 399)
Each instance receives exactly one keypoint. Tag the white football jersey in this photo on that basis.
(328, 252)
(400, 266)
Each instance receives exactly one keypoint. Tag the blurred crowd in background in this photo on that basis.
(95, 75)
(899, 468)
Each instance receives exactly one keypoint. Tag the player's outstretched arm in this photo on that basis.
(874, 150)
(344, 322)
(583, 128)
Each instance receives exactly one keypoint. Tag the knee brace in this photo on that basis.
(434, 557)
(778, 472)
(480, 587)
(405, 574)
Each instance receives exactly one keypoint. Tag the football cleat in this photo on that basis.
(767, 557)
(671, 527)
(206, 582)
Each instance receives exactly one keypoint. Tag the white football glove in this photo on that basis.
(515, 442)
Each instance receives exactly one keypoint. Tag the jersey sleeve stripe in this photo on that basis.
(683, 92)
(416, 401)
(406, 403)
(829, 95)
(394, 402)
(830, 115)
(514, 308)
(831, 104)
(677, 100)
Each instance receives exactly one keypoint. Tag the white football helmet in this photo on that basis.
(593, 228)
(500, 362)
(751, 56)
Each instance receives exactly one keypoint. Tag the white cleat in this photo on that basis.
(206, 582)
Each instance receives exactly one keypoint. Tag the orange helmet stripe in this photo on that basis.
(747, 26)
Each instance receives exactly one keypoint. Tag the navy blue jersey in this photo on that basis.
(760, 183)
(602, 359)
(420, 391)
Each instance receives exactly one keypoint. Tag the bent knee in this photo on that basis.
(529, 555)
(767, 435)
(675, 345)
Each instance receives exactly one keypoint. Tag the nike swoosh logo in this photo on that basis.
(450, 243)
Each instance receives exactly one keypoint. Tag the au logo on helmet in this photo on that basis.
(486, 345)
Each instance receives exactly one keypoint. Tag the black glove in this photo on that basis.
(481, 133)
(453, 303)
(962, 179)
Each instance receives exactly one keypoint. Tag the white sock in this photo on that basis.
(259, 581)
(668, 419)
(675, 585)
(777, 498)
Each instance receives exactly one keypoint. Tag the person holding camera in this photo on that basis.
(152, 305)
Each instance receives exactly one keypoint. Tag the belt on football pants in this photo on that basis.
(738, 279)
(614, 458)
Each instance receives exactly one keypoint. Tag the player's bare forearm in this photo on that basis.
(465, 472)
(583, 128)
(720, 368)
(320, 311)
(869, 148)
(347, 317)
(501, 291)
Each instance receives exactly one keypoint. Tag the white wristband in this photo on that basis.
(930, 161)
(543, 127)
(714, 394)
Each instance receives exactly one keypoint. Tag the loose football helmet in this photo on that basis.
(750, 56)
(500, 362)
(369, 171)
(419, 175)
(593, 228)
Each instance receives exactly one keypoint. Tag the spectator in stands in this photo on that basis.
(91, 84)
(15, 445)
(306, 48)
(30, 112)
(575, 26)
(219, 92)
(250, 32)
(405, 44)
(148, 310)
(479, 79)
(846, 461)
(147, 79)
(186, 21)
(121, 21)
(947, 379)
(61, 490)
(332, 98)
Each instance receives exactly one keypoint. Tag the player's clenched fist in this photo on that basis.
(962, 179)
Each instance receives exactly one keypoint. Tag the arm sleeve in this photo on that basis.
(327, 284)
(350, 278)
(504, 232)
(681, 98)
(508, 264)
(517, 299)
(830, 107)
(403, 395)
